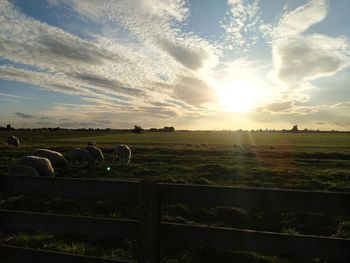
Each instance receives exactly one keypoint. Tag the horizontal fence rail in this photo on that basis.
(79, 225)
(151, 233)
(13, 254)
(299, 246)
(257, 198)
(121, 191)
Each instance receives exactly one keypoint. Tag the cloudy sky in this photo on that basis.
(194, 64)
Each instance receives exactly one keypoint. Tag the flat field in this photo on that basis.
(312, 161)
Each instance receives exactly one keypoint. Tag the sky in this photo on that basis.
(192, 64)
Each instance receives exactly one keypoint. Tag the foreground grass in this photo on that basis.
(297, 161)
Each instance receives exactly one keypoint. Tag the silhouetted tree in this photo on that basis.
(169, 129)
(137, 129)
(295, 128)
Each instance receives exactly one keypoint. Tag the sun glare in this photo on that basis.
(238, 95)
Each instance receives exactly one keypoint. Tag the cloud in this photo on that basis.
(199, 93)
(24, 115)
(290, 107)
(304, 58)
(110, 84)
(112, 74)
(279, 106)
(241, 24)
(295, 22)
(67, 47)
(299, 58)
(343, 124)
(154, 23)
(343, 104)
(189, 57)
(14, 96)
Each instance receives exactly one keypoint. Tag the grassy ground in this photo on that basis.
(299, 161)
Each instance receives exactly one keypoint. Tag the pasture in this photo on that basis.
(275, 160)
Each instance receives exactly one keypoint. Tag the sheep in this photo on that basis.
(123, 153)
(95, 152)
(23, 170)
(271, 147)
(12, 141)
(40, 164)
(57, 159)
(92, 143)
(81, 155)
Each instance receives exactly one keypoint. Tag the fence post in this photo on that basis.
(149, 223)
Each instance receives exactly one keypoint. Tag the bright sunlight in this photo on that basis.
(239, 95)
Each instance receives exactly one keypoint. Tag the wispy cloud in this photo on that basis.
(7, 95)
(24, 115)
(241, 24)
(298, 57)
(101, 69)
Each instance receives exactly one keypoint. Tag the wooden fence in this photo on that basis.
(150, 233)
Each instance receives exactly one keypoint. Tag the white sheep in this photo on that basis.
(81, 155)
(23, 170)
(95, 152)
(12, 141)
(41, 165)
(123, 153)
(92, 143)
(56, 158)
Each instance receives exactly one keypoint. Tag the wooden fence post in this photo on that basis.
(149, 223)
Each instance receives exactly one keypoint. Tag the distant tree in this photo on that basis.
(295, 128)
(169, 129)
(137, 129)
(8, 127)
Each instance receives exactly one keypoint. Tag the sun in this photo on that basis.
(239, 95)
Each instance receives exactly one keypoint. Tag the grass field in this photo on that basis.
(284, 160)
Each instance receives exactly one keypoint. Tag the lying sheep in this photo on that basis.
(12, 141)
(23, 170)
(81, 155)
(122, 153)
(92, 143)
(57, 159)
(41, 165)
(95, 152)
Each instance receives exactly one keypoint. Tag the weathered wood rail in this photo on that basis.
(150, 233)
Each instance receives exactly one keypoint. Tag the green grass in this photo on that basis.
(295, 161)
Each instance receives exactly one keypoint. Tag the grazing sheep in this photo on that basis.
(123, 153)
(81, 155)
(12, 141)
(41, 165)
(95, 152)
(23, 170)
(92, 143)
(57, 160)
